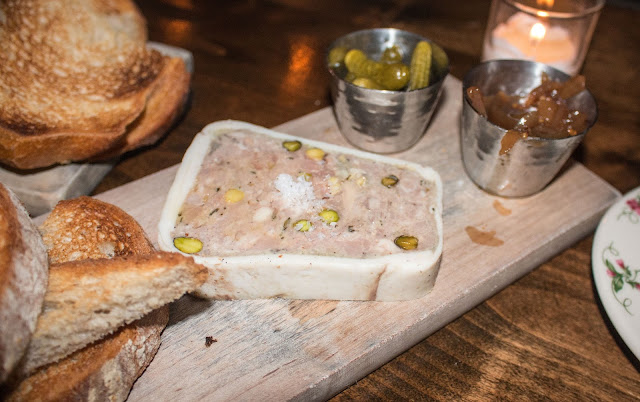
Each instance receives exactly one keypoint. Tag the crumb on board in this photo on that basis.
(209, 340)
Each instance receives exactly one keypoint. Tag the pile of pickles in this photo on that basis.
(390, 73)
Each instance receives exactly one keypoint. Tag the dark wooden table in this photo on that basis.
(546, 335)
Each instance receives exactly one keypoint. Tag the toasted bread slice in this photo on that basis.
(104, 274)
(164, 105)
(23, 280)
(87, 228)
(74, 75)
(103, 371)
(88, 299)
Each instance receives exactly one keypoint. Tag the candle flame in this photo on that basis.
(537, 32)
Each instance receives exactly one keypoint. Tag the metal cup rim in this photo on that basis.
(566, 15)
(371, 30)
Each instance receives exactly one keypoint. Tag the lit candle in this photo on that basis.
(529, 37)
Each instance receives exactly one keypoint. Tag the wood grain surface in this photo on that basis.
(543, 337)
(330, 344)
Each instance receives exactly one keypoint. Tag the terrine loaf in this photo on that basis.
(274, 215)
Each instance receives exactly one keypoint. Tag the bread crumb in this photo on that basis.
(208, 341)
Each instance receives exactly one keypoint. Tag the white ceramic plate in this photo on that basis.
(615, 260)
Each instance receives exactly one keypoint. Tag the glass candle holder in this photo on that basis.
(556, 33)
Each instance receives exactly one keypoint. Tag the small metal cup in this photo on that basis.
(377, 120)
(531, 163)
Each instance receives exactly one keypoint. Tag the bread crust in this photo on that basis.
(23, 280)
(74, 75)
(105, 370)
(165, 104)
(87, 228)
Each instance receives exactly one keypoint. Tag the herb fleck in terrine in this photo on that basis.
(273, 215)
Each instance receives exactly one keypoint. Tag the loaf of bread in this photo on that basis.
(77, 82)
(104, 274)
(274, 215)
(23, 280)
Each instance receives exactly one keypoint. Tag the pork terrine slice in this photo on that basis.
(274, 215)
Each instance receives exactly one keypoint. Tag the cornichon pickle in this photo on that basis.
(390, 73)
(391, 55)
(358, 63)
(439, 60)
(366, 83)
(394, 76)
(420, 66)
(406, 242)
(336, 56)
(350, 77)
(292, 146)
(187, 245)
(389, 181)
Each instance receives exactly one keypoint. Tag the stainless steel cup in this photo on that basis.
(531, 163)
(383, 121)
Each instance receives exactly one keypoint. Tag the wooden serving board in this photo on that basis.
(292, 349)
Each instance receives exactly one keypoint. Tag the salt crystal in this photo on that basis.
(296, 194)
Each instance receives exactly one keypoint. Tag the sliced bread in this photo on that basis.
(106, 274)
(77, 80)
(86, 228)
(103, 371)
(23, 280)
(88, 299)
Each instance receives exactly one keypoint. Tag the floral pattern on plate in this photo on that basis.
(615, 264)
(631, 210)
(621, 274)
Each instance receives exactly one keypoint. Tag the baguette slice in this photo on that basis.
(23, 280)
(81, 234)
